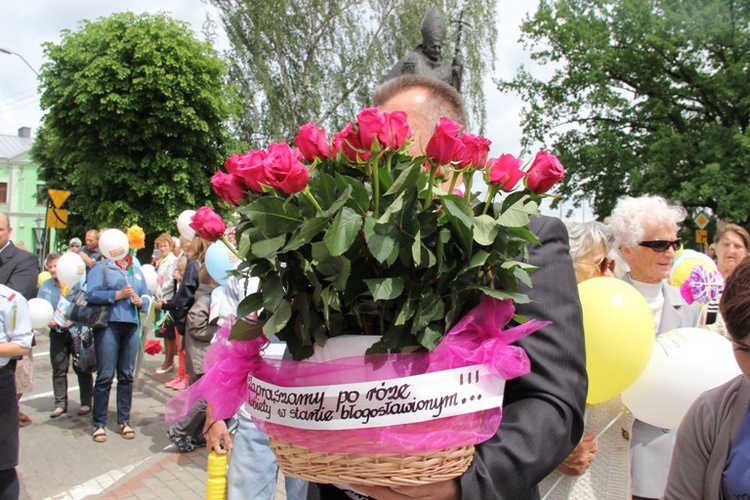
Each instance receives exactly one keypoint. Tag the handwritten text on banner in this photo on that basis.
(378, 403)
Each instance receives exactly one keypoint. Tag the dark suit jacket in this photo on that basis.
(19, 270)
(542, 411)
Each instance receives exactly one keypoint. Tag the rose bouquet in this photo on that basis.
(356, 235)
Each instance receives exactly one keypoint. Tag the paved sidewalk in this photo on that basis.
(59, 460)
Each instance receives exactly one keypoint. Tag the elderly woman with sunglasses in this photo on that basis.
(596, 468)
(645, 230)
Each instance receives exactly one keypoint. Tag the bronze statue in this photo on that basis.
(427, 58)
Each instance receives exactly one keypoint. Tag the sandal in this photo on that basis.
(126, 431)
(100, 435)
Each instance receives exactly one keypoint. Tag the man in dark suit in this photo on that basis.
(19, 269)
(542, 411)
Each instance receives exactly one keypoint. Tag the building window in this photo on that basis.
(3, 192)
(41, 194)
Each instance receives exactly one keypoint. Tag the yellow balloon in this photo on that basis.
(619, 330)
(682, 268)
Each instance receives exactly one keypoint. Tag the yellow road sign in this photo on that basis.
(702, 220)
(701, 236)
(58, 196)
(57, 218)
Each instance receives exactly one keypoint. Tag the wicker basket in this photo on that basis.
(374, 470)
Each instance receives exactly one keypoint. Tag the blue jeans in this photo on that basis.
(116, 348)
(253, 469)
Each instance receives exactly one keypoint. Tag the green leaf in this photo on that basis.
(430, 336)
(385, 288)
(244, 330)
(518, 298)
(267, 248)
(272, 216)
(381, 240)
(250, 304)
(343, 231)
(309, 230)
(460, 209)
(485, 229)
(517, 215)
(278, 319)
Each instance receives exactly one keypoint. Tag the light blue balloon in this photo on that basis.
(219, 261)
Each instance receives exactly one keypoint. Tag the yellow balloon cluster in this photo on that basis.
(619, 330)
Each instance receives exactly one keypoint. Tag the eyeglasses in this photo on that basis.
(75, 246)
(661, 245)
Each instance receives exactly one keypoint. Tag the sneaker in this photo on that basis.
(182, 443)
(172, 382)
(181, 385)
(197, 440)
(58, 412)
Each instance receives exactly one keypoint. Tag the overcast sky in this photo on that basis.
(25, 26)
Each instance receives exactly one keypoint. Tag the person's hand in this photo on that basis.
(580, 459)
(217, 436)
(136, 300)
(443, 490)
(126, 291)
(157, 304)
(52, 323)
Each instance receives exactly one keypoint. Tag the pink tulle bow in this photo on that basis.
(227, 365)
(478, 338)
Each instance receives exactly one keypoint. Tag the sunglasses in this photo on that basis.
(661, 245)
(75, 245)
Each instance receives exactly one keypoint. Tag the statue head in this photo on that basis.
(433, 34)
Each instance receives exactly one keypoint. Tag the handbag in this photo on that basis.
(91, 315)
(84, 354)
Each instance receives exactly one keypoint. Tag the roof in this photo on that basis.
(12, 146)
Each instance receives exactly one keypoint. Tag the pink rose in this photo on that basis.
(312, 142)
(347, 142)
(444, 143)
(370, 124)
(473, 152)
(250, 168)
(229, 187)
(285, 169)
(546, 171)
(505, 172)
(208, 224)
(233, 163)
(396, 130)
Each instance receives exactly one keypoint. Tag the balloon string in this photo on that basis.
(609, 425)
(596, 438)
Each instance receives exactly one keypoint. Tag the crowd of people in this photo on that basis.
(547, 432)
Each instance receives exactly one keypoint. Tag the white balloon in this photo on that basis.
(149, 274)
(70, 269)
(113, 244)
(684, 363)
(40, 312)
(183, 224)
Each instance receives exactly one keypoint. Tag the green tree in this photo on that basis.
(293, 61)
(135, 121)
(647, 96)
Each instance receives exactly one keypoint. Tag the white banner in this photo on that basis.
(378, 403)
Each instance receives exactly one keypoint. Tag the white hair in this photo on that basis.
(585, 236)
(631, 216)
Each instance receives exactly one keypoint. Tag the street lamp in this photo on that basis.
(11, 53)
